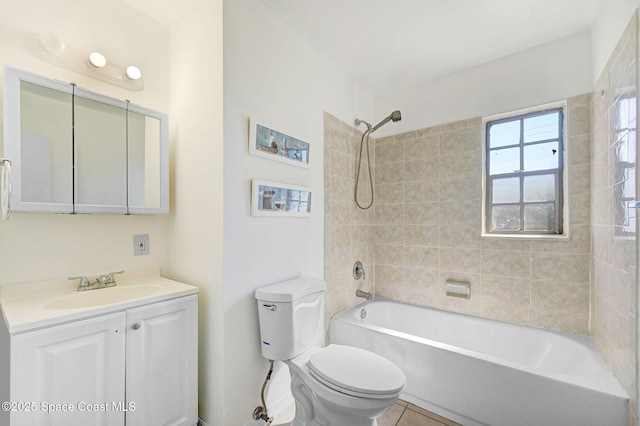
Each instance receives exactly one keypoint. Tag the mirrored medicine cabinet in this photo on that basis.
(75, 151)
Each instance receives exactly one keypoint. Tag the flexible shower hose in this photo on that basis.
(355, 195)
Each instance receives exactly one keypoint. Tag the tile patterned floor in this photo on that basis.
(405, 414)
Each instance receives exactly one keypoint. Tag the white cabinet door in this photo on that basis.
(162, 358)
(79, 367)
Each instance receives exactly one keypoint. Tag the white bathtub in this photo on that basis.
(482, 372)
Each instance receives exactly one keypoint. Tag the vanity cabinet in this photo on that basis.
(81, 362)
(162, 363)
(75, 151)
(136, 367)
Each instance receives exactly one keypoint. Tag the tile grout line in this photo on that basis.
(404, 409)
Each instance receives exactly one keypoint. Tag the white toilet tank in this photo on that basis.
(291, 315)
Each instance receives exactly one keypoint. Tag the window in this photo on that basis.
(524, 165)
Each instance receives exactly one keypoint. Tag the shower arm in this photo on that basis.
(359, 122)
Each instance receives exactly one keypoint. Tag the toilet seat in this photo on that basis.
(357, 372)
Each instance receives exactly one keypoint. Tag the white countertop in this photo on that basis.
(29, 306)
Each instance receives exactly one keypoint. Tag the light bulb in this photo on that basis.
(52, 43)
(97, 60)
(133, 73)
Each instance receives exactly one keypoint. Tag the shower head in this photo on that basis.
(394, 116)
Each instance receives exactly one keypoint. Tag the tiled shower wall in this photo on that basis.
(613, 231)
(347, 228)
(426, 222)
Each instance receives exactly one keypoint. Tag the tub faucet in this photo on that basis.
(364, 294)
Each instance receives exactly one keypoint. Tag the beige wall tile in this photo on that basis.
(465, 140)
(568, 302)
(388, 234)
(405, 136)
(461, 187)
(423, 191)
(388, 214)
(421, 257)
(420, 170)
(461, 260)
(390, 193)
(421, 213)
(422, 148)
(389, 153)
(421, 235)
(515, 264)
(386, 254)
(455, 164)
(461, 234)
(389, 173)
(560, 267)
(579, 120)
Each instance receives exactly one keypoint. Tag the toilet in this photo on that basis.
(336, 385)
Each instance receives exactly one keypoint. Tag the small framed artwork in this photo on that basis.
(265, 141)
(279, 199)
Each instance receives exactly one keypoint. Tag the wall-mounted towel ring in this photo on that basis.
(5, 188)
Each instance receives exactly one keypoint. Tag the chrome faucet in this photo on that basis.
(364, 294)
(108, 280)
(84, 282)
(102, 281)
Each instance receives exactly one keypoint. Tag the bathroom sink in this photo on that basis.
(103, 296)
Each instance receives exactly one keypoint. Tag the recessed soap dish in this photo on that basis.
(460, 289)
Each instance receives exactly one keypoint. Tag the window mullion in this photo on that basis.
(521, 173)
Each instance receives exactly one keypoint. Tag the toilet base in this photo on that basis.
(313, 411)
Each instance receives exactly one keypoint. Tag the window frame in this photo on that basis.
(561, 225)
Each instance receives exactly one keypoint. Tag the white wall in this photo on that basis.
(39, 246)
(269, 72)
(196, 155)
(547, 73)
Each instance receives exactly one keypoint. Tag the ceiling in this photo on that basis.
(385, 46)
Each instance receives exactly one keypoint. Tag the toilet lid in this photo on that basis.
(356, 371)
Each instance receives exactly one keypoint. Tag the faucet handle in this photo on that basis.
(84, 281)
(358, 270)
(110, 278)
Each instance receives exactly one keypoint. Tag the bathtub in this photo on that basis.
(483, 372)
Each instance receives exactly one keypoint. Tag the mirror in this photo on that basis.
(146, 154)
(45, 151)
(75, 151)
(100, 149)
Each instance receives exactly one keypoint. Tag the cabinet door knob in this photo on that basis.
(136, 326)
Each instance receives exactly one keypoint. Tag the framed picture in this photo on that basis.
(279, 199)
(265, 141)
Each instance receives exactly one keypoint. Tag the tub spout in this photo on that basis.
(365, 294)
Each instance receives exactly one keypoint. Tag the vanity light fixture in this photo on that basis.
(133, 73)
(52, 43)
(97, 60)
(52, 49)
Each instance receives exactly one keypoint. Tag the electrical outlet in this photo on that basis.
(140, 244)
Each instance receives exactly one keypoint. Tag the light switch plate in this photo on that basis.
(140, 244)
